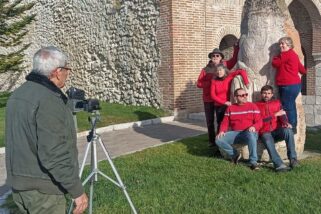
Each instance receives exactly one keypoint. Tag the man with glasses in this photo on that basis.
(241, 123)
(41, 151)
(276, 127)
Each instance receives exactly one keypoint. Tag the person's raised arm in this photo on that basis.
(231, 62)
(201, 83)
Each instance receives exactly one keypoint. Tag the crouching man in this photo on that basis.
(276, 128)
(244, 120)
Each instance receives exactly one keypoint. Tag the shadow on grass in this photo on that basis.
(198, 146)
(313, 142)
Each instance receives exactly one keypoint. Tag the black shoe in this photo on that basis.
(294, 163)
(282, 168)
(217, 153)
(254, 167)
(236, 158)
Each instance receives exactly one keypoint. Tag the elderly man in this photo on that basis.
(276, 127)
(41, 152)
(243, 119)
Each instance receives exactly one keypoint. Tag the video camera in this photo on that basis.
(78, 101)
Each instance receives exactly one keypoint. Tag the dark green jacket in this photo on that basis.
(40, 137)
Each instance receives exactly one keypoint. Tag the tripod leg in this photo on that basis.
(80, 173)
(117, 175)
(85, 158)
(91, 195)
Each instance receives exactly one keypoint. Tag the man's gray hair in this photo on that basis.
(48, 59)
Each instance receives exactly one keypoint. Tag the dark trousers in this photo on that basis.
(220, 111)
(209, 114)
(32, 201)
(288, 94)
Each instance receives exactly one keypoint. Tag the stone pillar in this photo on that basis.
(317, 107)
(264, 22)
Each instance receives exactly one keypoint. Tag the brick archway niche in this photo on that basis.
(263, 23)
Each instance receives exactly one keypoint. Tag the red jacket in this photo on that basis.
(204, 82)
(270, 121)
(204, 79)
(221, 88)
(241, 117)
(288, 67)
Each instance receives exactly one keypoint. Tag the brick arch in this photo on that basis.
(314, 9)
(226, 45)
(306, 18)
(227, 30)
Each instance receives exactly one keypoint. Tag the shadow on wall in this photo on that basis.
(191, 94)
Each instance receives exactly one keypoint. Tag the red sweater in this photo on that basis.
(204, 79)
(270, 121)
(204, 82)
(241, 117)
(221, 88)
(288, 67)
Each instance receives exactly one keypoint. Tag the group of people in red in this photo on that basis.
(269, 119)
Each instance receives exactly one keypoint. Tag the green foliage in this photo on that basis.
(13, 23)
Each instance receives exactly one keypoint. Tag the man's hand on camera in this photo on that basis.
(81, 204)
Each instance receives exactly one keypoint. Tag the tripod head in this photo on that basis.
(93, 119)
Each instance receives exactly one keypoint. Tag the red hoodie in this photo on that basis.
(270, 121)
(288, 67)
(221, 88)
(241, 117)
(204, 79)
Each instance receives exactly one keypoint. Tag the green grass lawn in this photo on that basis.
(111, 113)
(183, 177)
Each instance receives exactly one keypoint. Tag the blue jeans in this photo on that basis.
(234, 137)
(288, 94)
(269, 138)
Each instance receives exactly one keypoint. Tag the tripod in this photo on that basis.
(93, 139)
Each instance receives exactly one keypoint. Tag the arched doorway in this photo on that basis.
(301, 16)
(226, 45)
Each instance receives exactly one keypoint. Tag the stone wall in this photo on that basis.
(312, 104)
(150, 52)
(112, 46)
